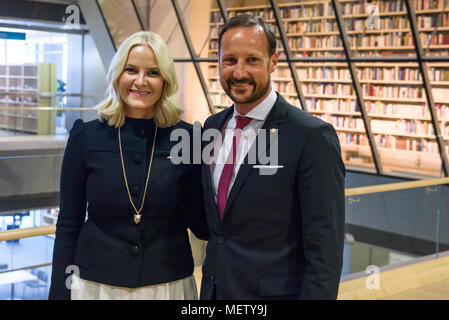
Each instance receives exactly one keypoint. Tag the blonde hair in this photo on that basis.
(166, 110)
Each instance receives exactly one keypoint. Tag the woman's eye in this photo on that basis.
(153, 73)
(130, 70)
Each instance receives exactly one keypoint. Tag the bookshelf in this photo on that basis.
(27, 86)
(19, 87)
(393, 92)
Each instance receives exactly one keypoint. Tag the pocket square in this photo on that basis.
(267, 170)
(259, 166)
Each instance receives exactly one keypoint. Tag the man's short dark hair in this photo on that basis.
(248, 20)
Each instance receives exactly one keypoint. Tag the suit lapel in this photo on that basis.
(273, 121)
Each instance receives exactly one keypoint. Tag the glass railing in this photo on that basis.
(26, 254)
(395, 223)
(387, 226)
(34, 121)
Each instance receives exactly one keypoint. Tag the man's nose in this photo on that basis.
(240, 70)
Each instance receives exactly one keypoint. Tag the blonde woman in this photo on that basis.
(134, 243)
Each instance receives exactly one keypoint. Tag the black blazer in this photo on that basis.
(282, 235)
(109, 247)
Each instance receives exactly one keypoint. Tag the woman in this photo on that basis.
(134, 244)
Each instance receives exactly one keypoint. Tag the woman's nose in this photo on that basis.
(140, 79)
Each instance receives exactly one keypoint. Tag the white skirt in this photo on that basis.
(183, 289)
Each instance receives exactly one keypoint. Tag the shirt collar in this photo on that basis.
(261, 111)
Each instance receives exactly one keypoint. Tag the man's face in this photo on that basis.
(246, 66)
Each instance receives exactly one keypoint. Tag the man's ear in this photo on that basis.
(274, 61)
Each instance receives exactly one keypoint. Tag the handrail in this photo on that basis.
(47, 109)
(27, 232)
(395, 186)
(51, 229)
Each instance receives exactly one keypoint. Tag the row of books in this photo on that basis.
(315, 42)
(383, 23)
(377, 73)
(404, 126)
(315, 10)
(213, 44)
(342, 122)
(286, 87)
(433, 20)
(324, 73)
(381, 91)
(408, 74)
(325, 9)
(266, 13)
(376, 108)
(391, 39)
(366, 73)
(430, 4)
(369, 90)
(414, 111)
(311, 27)
(331, 105)
(359, 139)
(398, 143)
(438, 74)
(382, 52)
(281, 73)
(362, 7)
(434, 39)
(380, 108)
(328, 89)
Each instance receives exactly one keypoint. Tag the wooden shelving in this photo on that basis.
(394, 96)
(19, 87)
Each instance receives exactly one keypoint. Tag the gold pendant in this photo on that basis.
(137, 218)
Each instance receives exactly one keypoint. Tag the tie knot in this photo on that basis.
(242, 122)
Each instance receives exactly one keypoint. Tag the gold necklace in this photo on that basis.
(137, 215)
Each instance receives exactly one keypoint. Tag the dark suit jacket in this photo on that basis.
(109, 247)
(282, 235)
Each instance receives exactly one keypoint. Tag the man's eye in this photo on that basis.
(253, 59)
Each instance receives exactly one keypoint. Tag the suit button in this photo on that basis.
(140, 132)
(134, 251)
(221, 240)
(135, 191)
(136, 158)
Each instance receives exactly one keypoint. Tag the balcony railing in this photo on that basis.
(403, 249)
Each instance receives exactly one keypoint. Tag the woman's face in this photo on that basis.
(140, 85)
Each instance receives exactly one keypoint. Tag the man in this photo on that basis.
(272, 236)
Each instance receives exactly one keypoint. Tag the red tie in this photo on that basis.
(226, 174)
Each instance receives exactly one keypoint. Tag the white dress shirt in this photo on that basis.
(249, 133)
